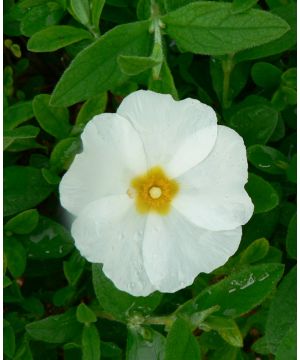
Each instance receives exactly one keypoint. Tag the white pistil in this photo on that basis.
(155, 192)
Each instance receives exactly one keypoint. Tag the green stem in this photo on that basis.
(94, 31)
(157, 52)
(227, 66)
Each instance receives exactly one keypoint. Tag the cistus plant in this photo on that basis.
(149, 179)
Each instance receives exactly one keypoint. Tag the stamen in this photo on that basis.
(153, 191)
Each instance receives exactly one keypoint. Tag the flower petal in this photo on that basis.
(175, 250)
(112, 155)
(176, 134)
(212, 194)
(109, 231)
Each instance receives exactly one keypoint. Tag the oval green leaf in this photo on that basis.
(56, 329)
(255, 123)
(95, 69)
(211, 28)
(262, 193)
(181, 343)
(54, 120)
(23, 223)
(90, 343)
(267, 159)
(19, 182)
(117, 302)
(239, 293)
(56, 37)
(49, 240)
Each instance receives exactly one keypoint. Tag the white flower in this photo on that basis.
(158, 193)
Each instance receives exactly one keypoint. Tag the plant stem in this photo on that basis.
(157, 52)
(227, 66)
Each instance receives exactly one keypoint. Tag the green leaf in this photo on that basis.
(74, 267)
(279, 131)
(260, 225)
(24, 144)
(285, 42)
(9, 341)
(19, 134)
(117, 302)
(287, 348)
(143, 10)
(262, 193)
(49, 240)
(56, 329)
(227, 329)
(255, 123)
(238, 293)
(81, 9)
(171, 5)
(110, 350)
(56, 37)
(266, 75)
(145, 344)
(51, 177)
(33, 306)
(19, 181)
(6, 281)
(41, 16)
(15, 254)
(282, 313)
(23, 223)
(210, 28)
(242, 5)
(97, 6)
(227, 352)
(291, 171)
(23, 352)
(95, 69)
(291, 238)
(53, 120)
(289, 78)
(133, 65)
(289, 95)
(165, 83)
(17, 114)
(64, 296)
(255, 251)
(181, 344)
(89, 109)
(64, 152)
(85, 315)
(261, 346)
(8, 83)
(90, 343)
(267, 159)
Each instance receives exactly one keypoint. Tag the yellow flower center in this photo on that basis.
(154, 191)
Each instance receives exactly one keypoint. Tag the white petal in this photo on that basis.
(112, 155)
(175, 250)
(110, 231)
(212, 194)
(176, 134)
